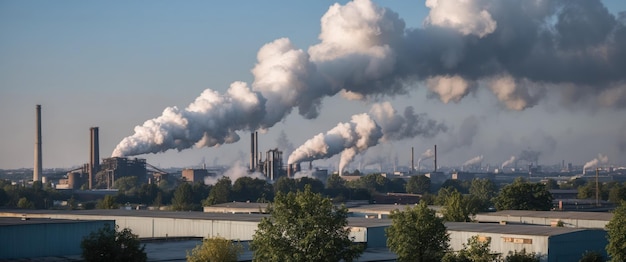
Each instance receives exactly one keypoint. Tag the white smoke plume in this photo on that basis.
(473, 161)
(363, 132)
(238, 170)
(408, 125)
(601, 159)
(365, 50)
(466, 16)
(508, 162)
(346, 139)
(450, 88)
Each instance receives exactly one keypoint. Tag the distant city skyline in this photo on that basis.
(547, 78)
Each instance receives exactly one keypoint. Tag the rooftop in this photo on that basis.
(529, 230)
(12, 221)
(602, 216)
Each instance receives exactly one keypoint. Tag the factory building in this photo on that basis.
(22, 238)
(117, 167)
(195, 175)
(550, 243)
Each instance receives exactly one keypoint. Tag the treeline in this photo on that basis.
(474, 196)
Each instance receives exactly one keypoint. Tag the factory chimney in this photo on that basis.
(254, 150)
(435, 158)
(94, 155)
(412, 160)
(38, 162)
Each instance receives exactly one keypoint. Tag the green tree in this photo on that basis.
(522, 195)
(304, 226)
(476, 250)
(484, 190)
(108, 202)
(109, 244)
(183, 198)
(616, 229)
(591, 256)
(285, 185)
(220, 192)
(215, 249)
(251, 189)
(521, 256)
(419, 184)
(459, 208)
(617, 193)
(316, 185)
(417, 234)
(24, 203)
(127, 185)
(551, 184)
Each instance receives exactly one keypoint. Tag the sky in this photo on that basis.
(481, 79)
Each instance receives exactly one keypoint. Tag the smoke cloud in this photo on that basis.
(473, 161)
(594, 162)
(238, 170)
(519, 50)
(365, 131)
(508, 162)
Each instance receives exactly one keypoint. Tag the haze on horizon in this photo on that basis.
(483, 79)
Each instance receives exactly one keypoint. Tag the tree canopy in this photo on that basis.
(304, 226)
(216, 249)
(616, 229)
(419, 184)
(522, 195)
(417, 234)
(109, 244)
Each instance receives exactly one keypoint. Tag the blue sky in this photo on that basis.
(117, 64)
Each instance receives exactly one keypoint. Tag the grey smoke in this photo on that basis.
(519, 50)
(283, 143)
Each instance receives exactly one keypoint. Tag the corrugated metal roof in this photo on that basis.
(603, 216)
(530, 230)
(10, 221)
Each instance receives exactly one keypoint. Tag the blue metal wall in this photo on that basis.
(30, 240)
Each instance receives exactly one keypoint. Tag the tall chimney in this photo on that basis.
(94, 155)
(38, 162)
(435, 158)
(256, 149)
(412, 160)
(252, 153)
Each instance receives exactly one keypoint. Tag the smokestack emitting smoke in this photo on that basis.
(38, 167)
(435, 158)
(365, 50)
(364, 131)
(594, 162)
(508, 162)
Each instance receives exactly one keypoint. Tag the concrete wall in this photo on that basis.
(48, 239)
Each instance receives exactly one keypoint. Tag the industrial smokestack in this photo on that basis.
(256, 149)
(412, 160)
(435, 158)
(38, 162)
(252, 153)
(94, 155)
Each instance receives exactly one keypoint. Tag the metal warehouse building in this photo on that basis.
(551, 243)
(163, 224)
(596, 220)
(28, 238)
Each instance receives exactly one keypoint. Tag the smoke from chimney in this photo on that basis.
(365, 131)
(601, 159)
(38, 167)
(366, 51)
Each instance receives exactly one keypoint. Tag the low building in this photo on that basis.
(597, 220)
(26, 238)
(194, 175)
(550, 243)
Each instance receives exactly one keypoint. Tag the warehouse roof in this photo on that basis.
(603, 216)
(13, 221)
(530, 230)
